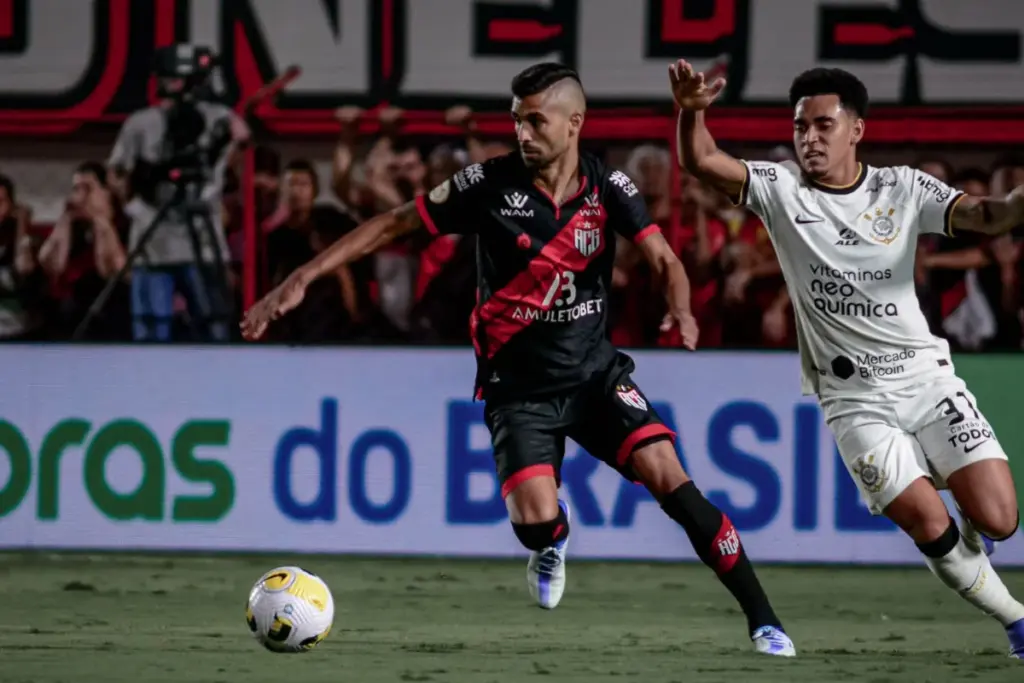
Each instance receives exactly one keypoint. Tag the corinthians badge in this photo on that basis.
(883, 229)
(873, 478)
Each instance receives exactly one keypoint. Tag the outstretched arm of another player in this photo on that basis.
(670, 275)
(989, 215)
(372, 235)
(698, 153)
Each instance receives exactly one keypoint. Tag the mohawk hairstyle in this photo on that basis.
(540, 77)
(853, 95)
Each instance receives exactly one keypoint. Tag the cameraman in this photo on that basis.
(147, 155)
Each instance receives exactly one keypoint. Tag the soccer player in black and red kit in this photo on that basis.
(545, 219)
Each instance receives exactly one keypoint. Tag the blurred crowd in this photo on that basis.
(421, 291)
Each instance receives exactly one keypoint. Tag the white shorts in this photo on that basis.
(890, 439)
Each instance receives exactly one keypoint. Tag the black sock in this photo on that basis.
(943, 545)
(544, 534)
(718, 545)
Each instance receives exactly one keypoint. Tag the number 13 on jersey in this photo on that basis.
(563, 283)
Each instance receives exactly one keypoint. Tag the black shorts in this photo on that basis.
(609, 416)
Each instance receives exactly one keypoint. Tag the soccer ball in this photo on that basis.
(290, 610)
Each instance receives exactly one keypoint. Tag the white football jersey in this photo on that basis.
(847, 255)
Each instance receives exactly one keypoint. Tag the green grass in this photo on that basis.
(110, 618)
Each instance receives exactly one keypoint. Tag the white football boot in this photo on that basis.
(545, 573)
(772, 640)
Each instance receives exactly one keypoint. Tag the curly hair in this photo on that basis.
(853, 95)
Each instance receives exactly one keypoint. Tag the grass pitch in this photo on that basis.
(110, 618)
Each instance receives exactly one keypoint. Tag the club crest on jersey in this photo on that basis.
(516, 205)
(883, 229)
(588, 238)
(631, 397)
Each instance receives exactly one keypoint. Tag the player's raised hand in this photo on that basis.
(689, 89)
(279, 301)
(687, 326)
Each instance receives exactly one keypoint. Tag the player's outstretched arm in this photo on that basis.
(372, 235)
(989, 215)
(698, 153)
(670, 275)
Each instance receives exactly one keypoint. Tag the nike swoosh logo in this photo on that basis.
(804, 221)
(968, 449)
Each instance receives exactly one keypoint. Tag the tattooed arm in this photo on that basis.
(989, 215)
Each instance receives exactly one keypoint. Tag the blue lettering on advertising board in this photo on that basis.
(464, 464)
(386, 440)
(745, 466)
(807, 420)
(323, 442)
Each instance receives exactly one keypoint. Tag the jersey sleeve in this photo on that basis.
(627, 210)
(760, 187)
(452, 206)
(934, 200)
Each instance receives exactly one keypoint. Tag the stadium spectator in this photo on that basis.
(701, 245)
(1007, 173)
(392, 173)
(266, 202)
(477, 149)
(420, 291)
(266, 181)
(83, 251)
(937, 167)
(301, 229)
(634, 312)
(22, 284)
(752, 277)
(962, 279)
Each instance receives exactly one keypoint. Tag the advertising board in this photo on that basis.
(380, 451)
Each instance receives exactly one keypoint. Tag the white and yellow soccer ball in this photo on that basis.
(290, 610)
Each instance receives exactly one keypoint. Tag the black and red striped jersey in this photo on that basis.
(544, 271)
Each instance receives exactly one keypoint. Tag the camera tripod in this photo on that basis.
(196, 213)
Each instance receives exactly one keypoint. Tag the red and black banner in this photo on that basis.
(938, 70)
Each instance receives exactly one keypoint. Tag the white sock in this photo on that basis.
(969, 572)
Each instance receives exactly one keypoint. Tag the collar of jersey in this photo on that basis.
(581, 173)
(841, 189)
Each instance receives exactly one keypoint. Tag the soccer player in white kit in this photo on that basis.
(846, 236)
